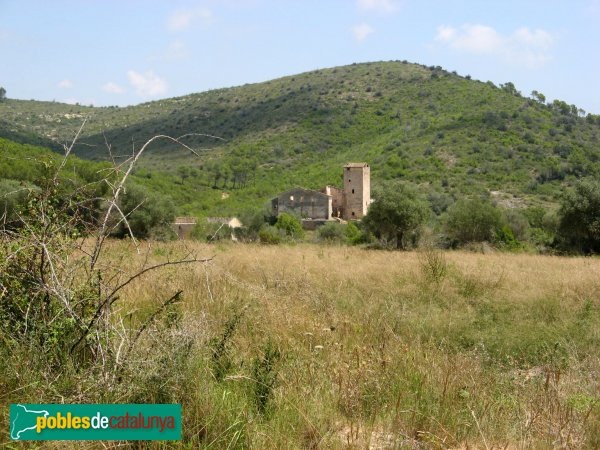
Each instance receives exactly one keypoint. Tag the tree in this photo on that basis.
(2, 94)
(473, 220)
(184, 172)
(561, 107)
(396, 215)
(538, 96)
(510, 88)
(579, 226)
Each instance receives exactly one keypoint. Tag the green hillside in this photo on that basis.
(449, 134)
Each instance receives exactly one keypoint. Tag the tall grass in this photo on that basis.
(318, 347)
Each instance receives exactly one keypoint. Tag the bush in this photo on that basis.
(439, 202)
(269, 234)
(355, 235)
(517, 223)
(332, 232)
(506, 238)
(209, 231)
(145, 211)
(290, 225)
(579, 227)
(472, 220)
(13, 197)
(253, 221)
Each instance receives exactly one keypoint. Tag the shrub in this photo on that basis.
(13, 197)
(290, 225)
(517, 223)
(472, 220)
(269, 234)
(506, 238)
(145, 211)
(253, 221)
(332, 232)
(579, 226)
(210, 231)
(439, 202)
(355, 235)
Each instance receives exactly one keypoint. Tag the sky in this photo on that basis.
(106, 52)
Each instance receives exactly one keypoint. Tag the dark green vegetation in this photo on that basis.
(82, 186)
(451, 135)
(580, 217)
(505, 156)
(396, 215)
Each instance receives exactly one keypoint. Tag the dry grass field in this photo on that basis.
(340, 347)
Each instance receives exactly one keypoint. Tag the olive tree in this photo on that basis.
(579, 226)
(397, 215)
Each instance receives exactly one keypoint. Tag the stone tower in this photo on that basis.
(357, 190)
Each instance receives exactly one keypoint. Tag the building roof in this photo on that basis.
(301, 189)
(361, 164)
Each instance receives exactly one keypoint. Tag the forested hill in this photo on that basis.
(449, 134)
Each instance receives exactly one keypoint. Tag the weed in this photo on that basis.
(221, 362)
(264, 374)
(433, 264)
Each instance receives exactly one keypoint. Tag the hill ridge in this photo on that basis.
(451, 134)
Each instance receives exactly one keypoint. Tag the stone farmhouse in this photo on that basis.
(330, 203)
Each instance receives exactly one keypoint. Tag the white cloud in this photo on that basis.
(65, 84)
(523, 46)
(113, 88)
(362, 31)
(537, 38)
(147, 84)
(183, 18)
(471, 38)
(384, 6)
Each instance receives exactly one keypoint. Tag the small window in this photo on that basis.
(353, 191)
(352, 212)
(349, 181)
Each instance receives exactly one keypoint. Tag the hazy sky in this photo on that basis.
(124, 52)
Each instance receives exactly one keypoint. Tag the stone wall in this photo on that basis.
(304, 203)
